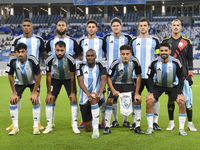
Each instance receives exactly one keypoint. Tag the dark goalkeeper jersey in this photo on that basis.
(183, 51)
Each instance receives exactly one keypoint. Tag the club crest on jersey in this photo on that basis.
(79, 1)
(139, 1)
(110, 72)
(78, 72)
(180, 44)
(126, 101)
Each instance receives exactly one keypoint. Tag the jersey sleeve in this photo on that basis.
(151, 73)
(42, 45)
(190, 56)
(9, 67)
(79, 71)
(14, 43)
(157, 46)
(77, 50)
(102, 68)
(48, 63)
(72, 63)
(112, 67)
(35, 63)
(80, 45)
(179, 73)
(129, 37)
(138, 69)
(48, 47)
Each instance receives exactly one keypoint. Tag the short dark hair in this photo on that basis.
(92, 50)
(91, 21)
(20, 46)
(126, 47)
(60, 44)
(27, 20)
(115, 20)
(165, 45)
(144, 20)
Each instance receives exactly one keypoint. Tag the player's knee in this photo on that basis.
(149, 101)
(109, 101)
(181, 101)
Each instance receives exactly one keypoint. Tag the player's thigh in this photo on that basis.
(157, 91)
(86, 112)
(20, 89)
(67, 85)
(31, 87)
(143, 83)
(56, 85)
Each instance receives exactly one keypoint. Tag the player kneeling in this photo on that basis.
(165, 69)
(92, 79)
(27, 75)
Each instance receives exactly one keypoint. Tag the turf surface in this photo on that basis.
(62, 136)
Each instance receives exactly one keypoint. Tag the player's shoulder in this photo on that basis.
(155, 60)
(99, 62)
(127, 35)
(166, 39)
(176, 61)
(135, 59)
(133, 39)
(81, 39)
(12, 58)
(114, 63)
(155, 38)
(33, 59)
(49, 58)
(49, 41)
(71, 58)
(107, 35)
(72, 39)
(80, 64)
(187, 39)
(39, 37)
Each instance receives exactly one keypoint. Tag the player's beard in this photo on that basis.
(164, 57)
(61, 33)
(60, 57)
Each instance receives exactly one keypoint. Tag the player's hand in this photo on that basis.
(190, 79)
(49, 98)
(115, 93)
(137, 99)
(95, 96)
(72, 98)
(34, 98)
(14, 99)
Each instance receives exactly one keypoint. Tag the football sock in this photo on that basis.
(182, 118)
(53, 114)
(171, 107)
(156, 110)
(115, 110)
(138, 114)
(49, 109)
(14, 115)
(102, 109)
(150, 119)
(108, 115)
(189, 114)
(74, 111)
(95, 116)
(133, 114)
(36, 114)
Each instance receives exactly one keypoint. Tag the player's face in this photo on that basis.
(27, 27)
(21, 54)
(176, 27)
(91, 29)
(125, 55)
(164, 52)
(90, 57)
(116, 27)
(60, 51)
(61, 28)
(144, 27)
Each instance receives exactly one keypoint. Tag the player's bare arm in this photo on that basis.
(49, 97)
(14, 98)
(34, 93)
(137, 98)
(72, 96)
(115, 93)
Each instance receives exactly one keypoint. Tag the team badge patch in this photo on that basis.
(180, 44)
(110, 72)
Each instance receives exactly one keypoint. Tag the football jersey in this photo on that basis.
(113, 44)
(144, 49)
(97, 44)
(122, 73)
(35, 44)
(71, 45)
(166, 73)
(25, 72)
(183, 51)
(60, 69)
(92, 78)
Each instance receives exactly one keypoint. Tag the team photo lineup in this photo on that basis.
(111, 72)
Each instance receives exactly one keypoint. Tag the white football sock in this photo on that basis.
(156, 110)
(182, 118)
(103, 109)
(14, 115)
(150, 120)
(53, 114)
(115, 110)
(36, 114)
(108, 115)
(95, 116)
(74, 112)
(138, 114)
(49, 110)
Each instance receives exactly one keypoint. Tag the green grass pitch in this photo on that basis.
(62, 136)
